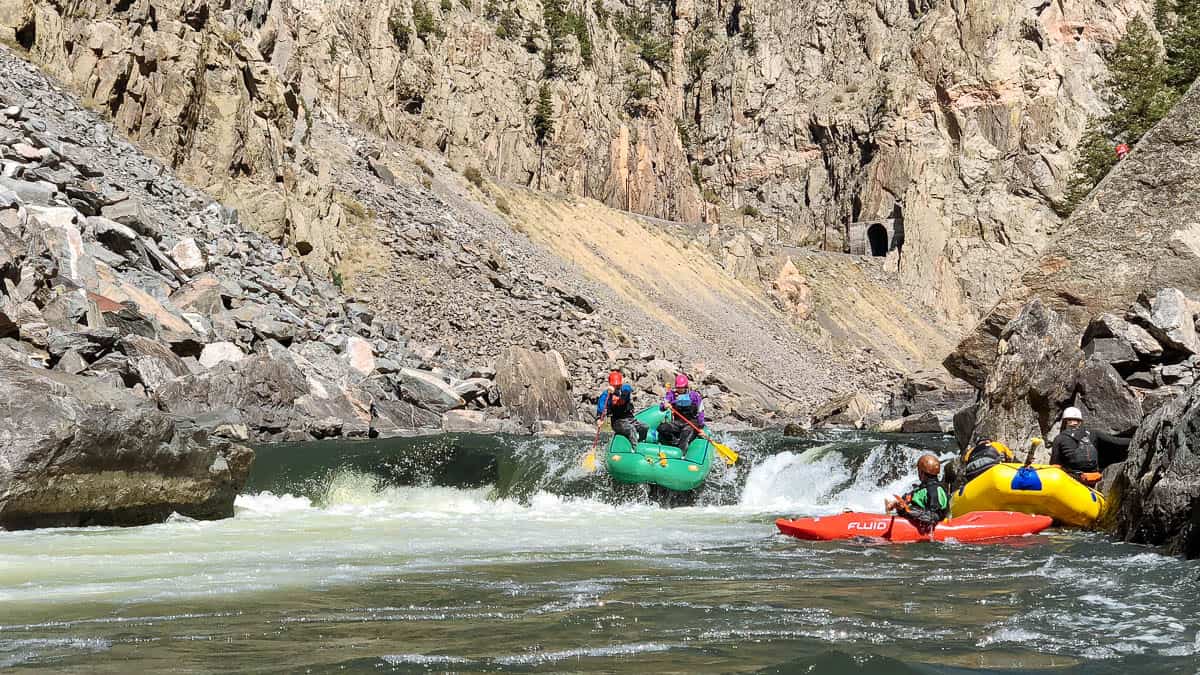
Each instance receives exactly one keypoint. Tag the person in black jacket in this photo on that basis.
(984, 455)
(1075, 448)
(616, 403)
(928, 503)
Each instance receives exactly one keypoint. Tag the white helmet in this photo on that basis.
(1072, 413)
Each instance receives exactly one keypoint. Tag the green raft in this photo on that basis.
(645, 464)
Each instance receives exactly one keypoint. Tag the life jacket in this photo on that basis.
(929, 495)
(927, 504)
(983, 456)
(688, 405)
(620, 404)
(1078, 454)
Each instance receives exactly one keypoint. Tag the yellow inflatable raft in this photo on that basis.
(1038, 489)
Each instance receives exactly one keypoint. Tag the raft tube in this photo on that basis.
(663, 465)
(1038, 489)
(972, 527)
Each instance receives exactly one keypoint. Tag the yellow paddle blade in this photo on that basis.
(589, 462)
(726, 452)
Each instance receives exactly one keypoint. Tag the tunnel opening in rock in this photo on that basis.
(26, 35)
(877, 239)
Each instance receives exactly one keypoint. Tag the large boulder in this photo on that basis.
(394, 418)
(851, 410)
(534, 385)
(1111, 326)
(976, 354)
(1108, 404)
(1155, 496)
(153, 362)
(263, 389)
(427, 390)
(1169, 318)
(74, 451)
(1033, 379)
(928, 391)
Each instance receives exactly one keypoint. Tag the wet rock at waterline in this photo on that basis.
(1155, 495)
(76, 451)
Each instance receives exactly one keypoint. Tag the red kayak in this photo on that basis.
(970, 527)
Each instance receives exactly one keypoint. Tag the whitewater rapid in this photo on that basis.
(354, 558)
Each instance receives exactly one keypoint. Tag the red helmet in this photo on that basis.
(681, 381)
(615, 379)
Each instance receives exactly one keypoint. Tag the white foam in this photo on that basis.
(1010, 636)
(819, 481)
(423, 659)
(536, 658)
(268, 504)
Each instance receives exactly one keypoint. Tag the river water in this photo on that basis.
(466, 553)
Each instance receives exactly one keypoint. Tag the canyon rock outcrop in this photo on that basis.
(1137, 230)
(1155, 496)
(1044, 364)
(949, 126)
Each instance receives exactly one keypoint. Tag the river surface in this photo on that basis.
(469, 554)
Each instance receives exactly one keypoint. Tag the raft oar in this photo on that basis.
(589, 460)
(724, 451)
(1033, 445)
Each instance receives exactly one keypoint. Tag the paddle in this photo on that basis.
(724, 451)
(589, 460)
(1033, 445)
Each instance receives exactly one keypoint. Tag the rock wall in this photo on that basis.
(961, 118)
(1116, 371)
(112, 269)
(1137, 230)
(1155, 496)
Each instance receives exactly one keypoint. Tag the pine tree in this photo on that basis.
(1179, 22)
(543, 116)
(1096, 158)
(1137, 77)
(1138, 97)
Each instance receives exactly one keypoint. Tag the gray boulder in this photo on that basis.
(1108, 404)
(479, 422)
(1114, 351)
(153, 362)
(1111, 326)
(964, 425)
(90, 343)
(428, 391)
(851, 410)
(929, 422)
(263, 389)
(77, 452)
(926, 391)
(534, 385)
(1169, 318)
(394, 418)
(1034, 377)
(1155, 499)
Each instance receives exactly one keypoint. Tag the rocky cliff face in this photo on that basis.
(103, 276)
(957, 118)
(1155, 495)
(1116, 371)
(1137, 230)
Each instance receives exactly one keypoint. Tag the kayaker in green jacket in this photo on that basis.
(928, 503)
